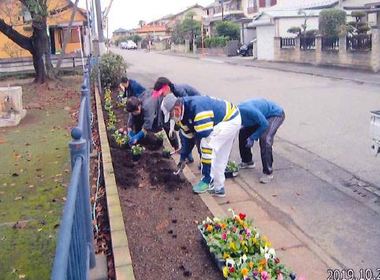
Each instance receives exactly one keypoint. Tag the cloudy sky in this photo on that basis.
(127, 13)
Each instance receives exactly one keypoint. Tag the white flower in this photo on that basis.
(272, 252)
(243, 259)
(230, 263)
(217, 220)
(208, 220)
(257, 235)
(232, 211)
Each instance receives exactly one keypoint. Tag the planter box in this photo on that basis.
(219, 262)
(230, 174)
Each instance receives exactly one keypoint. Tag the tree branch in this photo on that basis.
(21, 40)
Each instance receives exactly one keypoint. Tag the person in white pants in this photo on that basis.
(215, 123)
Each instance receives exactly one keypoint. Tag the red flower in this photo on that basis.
(242, 216)
(232, 269)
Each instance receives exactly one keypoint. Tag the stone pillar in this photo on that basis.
(318, 50)
(277, 49)
(375, 52)
(187, 46)
(11, 110)
(343, 58)
(297, 50)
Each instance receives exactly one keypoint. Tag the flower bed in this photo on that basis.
(240, 251)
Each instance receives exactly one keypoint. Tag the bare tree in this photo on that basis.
(38, 43)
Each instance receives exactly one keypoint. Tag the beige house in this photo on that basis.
(240, 11)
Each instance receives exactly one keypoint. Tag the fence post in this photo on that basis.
(79, 147)
(85, 93)
(343, 58)
(375, 52)
(318, 50)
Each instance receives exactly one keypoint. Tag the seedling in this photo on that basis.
(232, 169)
(137, 151)
(121, 139)
(166, 153)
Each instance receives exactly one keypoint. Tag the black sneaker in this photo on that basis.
(247, 165)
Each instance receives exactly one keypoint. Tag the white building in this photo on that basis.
(275, 21)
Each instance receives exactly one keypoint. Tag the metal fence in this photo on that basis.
(362, 42)
(75, 252)
(330, 43)
(307, 43)
(288, 43)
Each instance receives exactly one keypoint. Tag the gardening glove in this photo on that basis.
(249, 143)
(136, 138)
(131, 133)
(172, 128)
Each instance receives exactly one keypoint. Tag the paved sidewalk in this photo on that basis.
(355, 75)
(313, 225)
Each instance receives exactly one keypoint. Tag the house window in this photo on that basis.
(74, 38)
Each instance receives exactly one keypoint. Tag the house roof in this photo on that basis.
(120, 30)
(151, 29)
(303, 4)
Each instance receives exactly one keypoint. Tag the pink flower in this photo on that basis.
(248, 232)
(265, 275)
(280, 277)
(224, 236)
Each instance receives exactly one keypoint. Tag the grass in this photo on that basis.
(34, 171)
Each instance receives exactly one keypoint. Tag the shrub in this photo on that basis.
(216, 42)
(112, 67)
(295, 30)
(228, 29)
(332, 22)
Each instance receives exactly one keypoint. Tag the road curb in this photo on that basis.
(120, 247)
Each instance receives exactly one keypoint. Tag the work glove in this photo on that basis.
(249, 143)
(136, 138)
(131, 134)
(172, 128)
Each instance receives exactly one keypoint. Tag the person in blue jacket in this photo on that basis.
(215, 123)
(131, 87)
(260, 120)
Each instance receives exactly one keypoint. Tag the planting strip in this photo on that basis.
(120, 248)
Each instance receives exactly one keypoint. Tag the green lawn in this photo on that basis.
(34, 173)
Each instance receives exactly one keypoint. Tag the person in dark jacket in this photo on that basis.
(260, 120)
(144, 117)
(131, 87)
(162, 88)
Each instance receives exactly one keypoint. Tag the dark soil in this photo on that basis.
(161, 215)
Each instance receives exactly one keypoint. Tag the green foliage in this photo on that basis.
(359, 26)
(112, 67)
(137, 150)
(332, 22)
(135, 38)
(186, 30)
(295, 30)
(228, 29)
(232, 166)
(216, 42)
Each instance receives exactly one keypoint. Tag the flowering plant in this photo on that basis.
(137, 149)
(232, 166)
(121, 138)
(245, 253)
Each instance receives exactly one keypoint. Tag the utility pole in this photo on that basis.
(101, 44)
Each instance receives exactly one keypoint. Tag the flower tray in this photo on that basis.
(230, 174)
(220, 263)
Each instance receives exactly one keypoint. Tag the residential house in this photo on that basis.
(120, 33)
(240, 11)
(58, 19)
(276, 21)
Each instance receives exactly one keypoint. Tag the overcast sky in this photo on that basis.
(127, 13)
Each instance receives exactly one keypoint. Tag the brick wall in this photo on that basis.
(344, 58)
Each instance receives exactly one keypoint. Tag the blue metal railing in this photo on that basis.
(75, 251)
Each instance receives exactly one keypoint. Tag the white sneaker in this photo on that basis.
(247, 165)
(266, 179)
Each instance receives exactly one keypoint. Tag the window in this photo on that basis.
(74, 38)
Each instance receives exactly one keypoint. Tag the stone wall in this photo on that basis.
(367, 60)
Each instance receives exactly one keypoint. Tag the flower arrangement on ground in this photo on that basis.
(121, 137)
(232, 169)
(243, 251)
(137, 151)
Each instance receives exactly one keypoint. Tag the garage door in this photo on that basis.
(265, 42)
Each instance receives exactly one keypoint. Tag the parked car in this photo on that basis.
(128, 45)
(246, 49)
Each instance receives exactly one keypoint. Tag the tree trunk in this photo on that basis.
(39, 41)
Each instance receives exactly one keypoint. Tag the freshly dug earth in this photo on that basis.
(161, 215)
